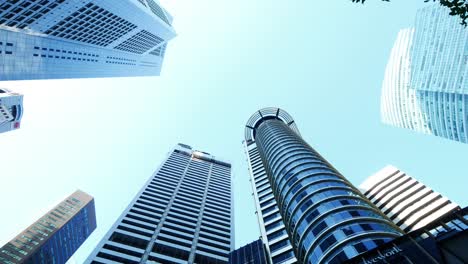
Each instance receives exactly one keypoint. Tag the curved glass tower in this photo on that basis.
(326, 218)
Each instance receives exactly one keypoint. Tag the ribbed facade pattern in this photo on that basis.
(425, 86)
(406, 201)
(182, 215)
(399, 104)
(326, 218)
(82, 39)
(271, 224)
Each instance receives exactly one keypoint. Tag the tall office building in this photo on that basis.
(253, 253)
(55, 236)
(82, 38)
(302, 201)
(183, 214)
(425, 86)
(406, 201)
(11, 110)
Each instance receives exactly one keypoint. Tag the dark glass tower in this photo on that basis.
(253, 253)
(55, 236)
(326, 218)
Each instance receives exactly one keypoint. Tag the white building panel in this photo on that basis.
(411, 204)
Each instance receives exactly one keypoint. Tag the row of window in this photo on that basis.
(21, 14)
(92, 24)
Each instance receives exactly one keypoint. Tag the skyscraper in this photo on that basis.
(183, 214)
(55, 236)
(313, 207)
(406, 201)
(82, 39)
(253, 253)
(425, 86)
(11, 110)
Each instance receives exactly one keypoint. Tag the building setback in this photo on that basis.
(55, 236)
(183, 214)
(11, 110)
(82, 39)
(425, 88)
(406, 201)
(315, 209)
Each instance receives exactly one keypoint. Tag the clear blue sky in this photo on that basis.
(322, 61)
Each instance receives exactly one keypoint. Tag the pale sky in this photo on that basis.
(322, 61)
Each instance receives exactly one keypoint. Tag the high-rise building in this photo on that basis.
(82, 39)
(307, 211)
(425, 86)
(55, 236)
(11, 110)
(406, 201)
(183, 214)
(253, 253)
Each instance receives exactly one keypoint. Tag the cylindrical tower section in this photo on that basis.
(327, 218)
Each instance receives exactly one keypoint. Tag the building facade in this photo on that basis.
(55, 236)
(82, 38)
(324, 217)
(440, 242)
(406, 201)
(11, 110)
(425, 86)
(183, 214)
(253, 253)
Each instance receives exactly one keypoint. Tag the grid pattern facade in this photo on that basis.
(253, 253)
(20, 14)
(140, 42)
(11, 110)
(125, 29)
(92, 24)
(425, 86)
(182, 215)
(406, 201)
(327, 219)
(56, 236)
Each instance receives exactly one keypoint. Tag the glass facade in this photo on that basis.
(425, 86)
(327, 218)
(82, 39)
(253, 253)
(441, 242)
(183, 214)
(56, 236)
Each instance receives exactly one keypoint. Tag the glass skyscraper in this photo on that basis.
(11, 110)
(406, 201)
(82, 39)
(183, 214)
(425, 86)
(302, 201)
(55, 236)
